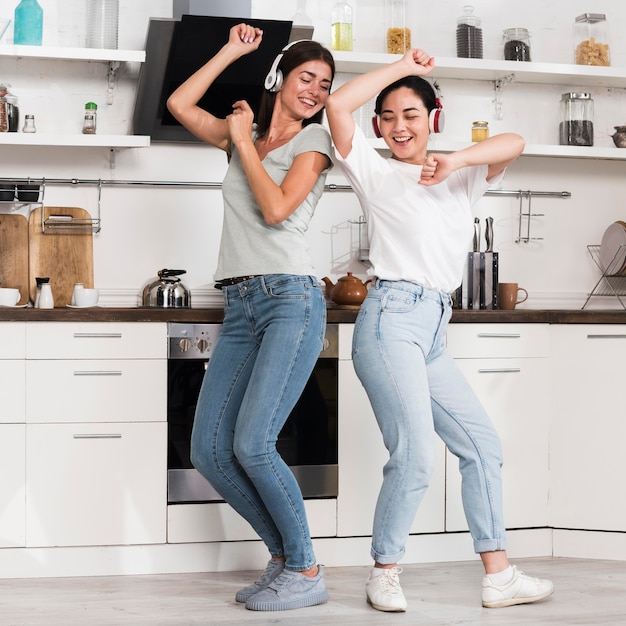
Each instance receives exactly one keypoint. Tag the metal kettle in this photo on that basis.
(167, 291)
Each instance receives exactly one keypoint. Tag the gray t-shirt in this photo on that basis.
(251, 246)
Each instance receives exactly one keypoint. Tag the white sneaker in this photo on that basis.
(519, 590)
(384, 592)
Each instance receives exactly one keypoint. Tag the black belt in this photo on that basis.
(227, 282)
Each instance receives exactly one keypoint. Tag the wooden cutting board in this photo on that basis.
(65, 257)
(14, 254)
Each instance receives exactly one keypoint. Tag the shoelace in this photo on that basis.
(390, 581)
(267, 573)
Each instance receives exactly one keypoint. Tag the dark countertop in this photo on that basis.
(336, 315)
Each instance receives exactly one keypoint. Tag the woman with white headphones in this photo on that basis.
(275, 311)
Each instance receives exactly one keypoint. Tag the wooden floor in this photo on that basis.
(586, 592)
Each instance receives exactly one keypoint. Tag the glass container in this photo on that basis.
(29, 124)
(469, 35)
(90, 118)
(341, 26)
(398, 35)
(516, 44)
(480, 131)
(591, 39)
(28, 23)
(576, 126)
(102, 23)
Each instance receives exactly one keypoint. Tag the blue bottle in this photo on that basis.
(28, 24)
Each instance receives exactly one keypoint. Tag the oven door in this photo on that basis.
(307, 442)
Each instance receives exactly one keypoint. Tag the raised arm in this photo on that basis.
(355, 93)
(183, 103)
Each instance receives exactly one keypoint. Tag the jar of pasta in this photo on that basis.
(591, 39)
(398, 33)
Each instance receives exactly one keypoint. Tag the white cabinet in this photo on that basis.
(362, 456)
(588, 427)
(12, 368)
(508, 368)
(96, 435)
(12, 498)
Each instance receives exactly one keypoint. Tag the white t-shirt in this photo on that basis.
(416, 233)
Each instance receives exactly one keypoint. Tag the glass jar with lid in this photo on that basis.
(591, 39)
(480, 131)
(397, 32)
(469, 35)
(576, 126)
(516, 44)
(341, 26)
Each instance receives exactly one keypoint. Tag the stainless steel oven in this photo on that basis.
(307, 442)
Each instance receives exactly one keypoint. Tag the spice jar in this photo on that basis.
(469, 35)
(341, 26)
(29, 124)
(576, 127)
(89, 121)
(480, 131)
(398, 35)
(591, 39)
(516, 44)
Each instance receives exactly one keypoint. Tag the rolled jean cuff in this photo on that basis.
(489, 545)
(385, 559)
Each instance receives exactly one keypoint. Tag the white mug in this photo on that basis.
(86, 297)
(9, 296)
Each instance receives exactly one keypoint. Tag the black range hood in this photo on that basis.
(175, 49)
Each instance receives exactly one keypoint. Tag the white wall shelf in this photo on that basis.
(87, 141)
(73, 54)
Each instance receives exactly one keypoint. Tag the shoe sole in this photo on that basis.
(387, 609)
(312, 600)
(513, 601)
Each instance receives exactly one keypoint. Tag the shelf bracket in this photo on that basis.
(111, 76)
(498, 86)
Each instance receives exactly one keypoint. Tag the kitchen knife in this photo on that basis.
(489, 285)
(489, 234)
(476, 245)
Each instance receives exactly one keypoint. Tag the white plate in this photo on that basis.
(15, 306)
(75, 306)
(613, 249)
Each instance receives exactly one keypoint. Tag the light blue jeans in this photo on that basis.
(416, 390)
(271, 338)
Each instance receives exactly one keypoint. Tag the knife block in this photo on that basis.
(480, 282)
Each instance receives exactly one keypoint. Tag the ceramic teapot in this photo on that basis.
(347, 290)
(619, 136)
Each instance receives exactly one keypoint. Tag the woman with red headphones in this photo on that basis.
(418, 208)
(274, 308)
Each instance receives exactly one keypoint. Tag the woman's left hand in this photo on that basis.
(240, 122)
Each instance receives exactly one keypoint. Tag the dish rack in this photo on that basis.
(612, 282)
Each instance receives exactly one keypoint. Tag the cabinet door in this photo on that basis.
(12, 391)
(96, 391)
(589, 428)
(96, 484)
(515, 394)
(12, 496)
(362, 456)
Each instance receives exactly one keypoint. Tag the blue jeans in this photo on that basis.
(416, 390)
(271, 338)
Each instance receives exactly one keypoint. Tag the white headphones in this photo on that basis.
(274, 78)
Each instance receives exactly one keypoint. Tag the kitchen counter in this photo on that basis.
(336, 315)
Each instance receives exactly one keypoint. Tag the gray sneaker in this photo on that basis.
(291, 590)
(271, 572)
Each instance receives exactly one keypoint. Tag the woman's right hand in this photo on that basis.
(245, 38)
(418, 62)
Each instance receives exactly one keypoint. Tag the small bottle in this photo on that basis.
(398, 35)
(480, 131)
(89, 121)
(591, 39)
(29, 124)
(40, 281)
(341, 26)
(77, 287)
(516, 44)
(469, 35)
(28, 24)
(576, 127)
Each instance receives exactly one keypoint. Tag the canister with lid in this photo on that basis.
(469, 35)
(397, 32)
(516, 44)
(480, 131)
(591, 39)
(576, 127)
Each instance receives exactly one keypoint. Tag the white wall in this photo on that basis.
(146, 229)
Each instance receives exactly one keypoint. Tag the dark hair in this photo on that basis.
(294, 56)
(422, 89)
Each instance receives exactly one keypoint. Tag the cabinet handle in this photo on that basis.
(606, 336)
(96, 373)
(97, 335)
(97, 436)
(499, 370)
(500, 335)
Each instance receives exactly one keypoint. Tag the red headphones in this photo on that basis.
(436, 119)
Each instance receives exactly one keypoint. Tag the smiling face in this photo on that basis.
(403, 123)
(305, 89)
